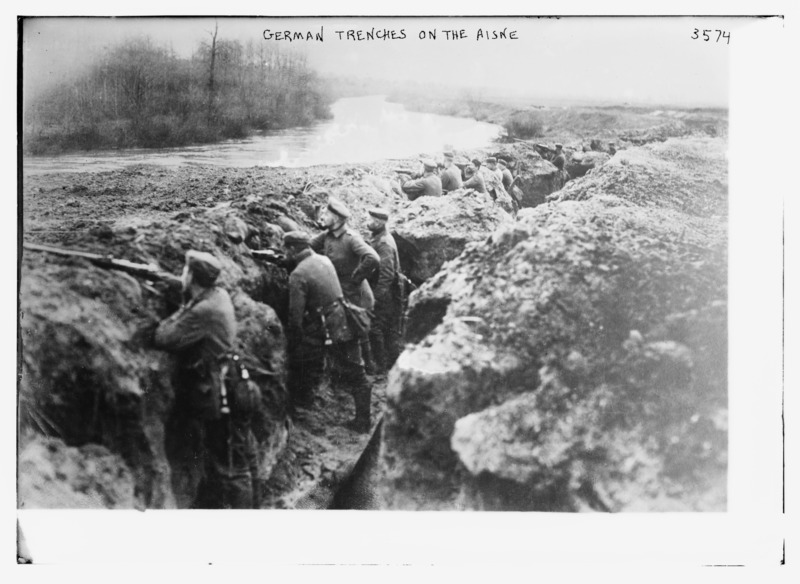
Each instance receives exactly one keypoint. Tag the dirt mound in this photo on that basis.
(673, 128)
(687, 175)
(89, 372)
(575, 360)
(537, 177)
(433, 230)
(53, 475)
(579, 162)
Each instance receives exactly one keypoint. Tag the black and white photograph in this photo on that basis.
(349, 264)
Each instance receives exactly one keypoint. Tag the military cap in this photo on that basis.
(379, 213)
(204, 267)
(476, 162)
(559, 145)
(336, 206)
(491, 159)
(429, 164)
(294, 237)
(449, 154)
(502, 161)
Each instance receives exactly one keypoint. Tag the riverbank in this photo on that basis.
(526, 120)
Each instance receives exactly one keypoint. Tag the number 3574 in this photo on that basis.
(708, 34)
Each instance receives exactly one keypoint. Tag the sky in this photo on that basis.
(618, 59)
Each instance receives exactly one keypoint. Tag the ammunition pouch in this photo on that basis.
(358, 319)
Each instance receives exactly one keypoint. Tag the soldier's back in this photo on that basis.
(322, 283)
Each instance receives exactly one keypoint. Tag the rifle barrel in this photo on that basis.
(108, 262)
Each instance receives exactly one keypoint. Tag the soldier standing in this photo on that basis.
(201, 334)
(451, 175)
(318, 324)
(429, 184)
(385, 333)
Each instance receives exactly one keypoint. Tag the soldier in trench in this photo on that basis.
(507, 177)
(353, 259)
(429, 184)
(474, 178)
(214, 455)
(451, 175)
(560, 161)
(318, 325)
(385, 332)
(492, 178)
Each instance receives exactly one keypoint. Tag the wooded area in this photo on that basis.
(139, 94)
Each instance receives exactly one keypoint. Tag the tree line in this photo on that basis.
(139, 94)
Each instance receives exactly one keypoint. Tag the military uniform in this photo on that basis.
(353, 261)
(317, 323)
(507, 178)
(429, 185)
(476, 182)
(206, 472)
(451, 179)
(385, 333)
(493, 181)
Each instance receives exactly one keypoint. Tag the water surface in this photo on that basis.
(363, 129)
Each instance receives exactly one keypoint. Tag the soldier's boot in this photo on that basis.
(366, 353)
(362, 423)
(378, 352)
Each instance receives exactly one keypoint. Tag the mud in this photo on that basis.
(576, 359)
(95, 394)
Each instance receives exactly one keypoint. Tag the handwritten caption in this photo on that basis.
(707, 34)
(389, 34)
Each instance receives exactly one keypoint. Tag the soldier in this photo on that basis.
(317, 323)
(507, 177)
(451, 175)
(475, 179)
(429, 184)
(201, 334)
(385, 333)
(560, 160)
(612, 148)
(492, 178)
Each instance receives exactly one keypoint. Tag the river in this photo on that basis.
(363, 129)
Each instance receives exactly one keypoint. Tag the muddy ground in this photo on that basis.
(95, 396)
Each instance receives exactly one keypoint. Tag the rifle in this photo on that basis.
(108, 262)
(270, 255)
(273, 256)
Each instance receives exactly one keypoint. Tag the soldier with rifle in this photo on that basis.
(429, 184)
(201, 335)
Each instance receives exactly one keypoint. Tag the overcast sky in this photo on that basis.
(641, 59)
